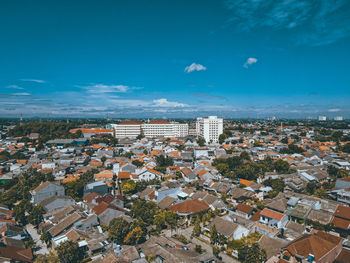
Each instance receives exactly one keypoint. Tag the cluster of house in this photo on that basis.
(191, 185)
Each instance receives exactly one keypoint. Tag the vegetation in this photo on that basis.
(163, 162)
(277, 186)
(242, 167)
(75, 189)
(252, 254)
(69, 252)
(46, 130)
(226, 134)
(292, 148)
(106, 139)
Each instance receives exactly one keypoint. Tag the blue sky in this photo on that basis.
(183, 58)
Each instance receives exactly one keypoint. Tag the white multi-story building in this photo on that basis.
(127, 129)
(162, 128)
(210, 128)
(338, 118)
(180, 129)
(322, 118)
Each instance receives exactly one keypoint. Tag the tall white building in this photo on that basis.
(322, 118)
(127, 129)
(210, 128)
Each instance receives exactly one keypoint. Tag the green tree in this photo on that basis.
(197, 227)
(45, 237)
(137, 163)
(134, 236)
(311, 187)
(118, 229)
(128, 186)
(253, 254)
(19, 214)
(213, 235)
(69, 252)
(201, 141)
(36, 215)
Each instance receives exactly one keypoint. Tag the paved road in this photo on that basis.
(39, 244)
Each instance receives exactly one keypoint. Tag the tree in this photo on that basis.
(244, 156)
(281, 166)
(128, 186)
(253, 254)
(213, 235)
(137, 163)
(201, 141)
(134, 236)
(118, 229)
(45, 237)
(311, 187)
(69, 252)
(19, 214)
(284, 140)
(36, 215)
(197, 227)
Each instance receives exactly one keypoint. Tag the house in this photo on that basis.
(319, 247)
(149, 174)
(99, 187)
(273, 219)
(65, 224)
(244, 210)
(341, 220)
(342, 183)
(45, 191)
(189, 207)
(55, 202)
(231, 230)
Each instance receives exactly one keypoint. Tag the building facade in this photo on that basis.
(127, 129)
(154, 128)
(210, 128)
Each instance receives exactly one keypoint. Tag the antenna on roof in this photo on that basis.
(21, 119)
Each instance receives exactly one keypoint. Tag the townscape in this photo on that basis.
(201, 190)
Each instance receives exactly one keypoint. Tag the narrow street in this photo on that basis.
(39, 244)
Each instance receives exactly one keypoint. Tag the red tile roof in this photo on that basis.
(244, 208)
(272, 214)
(318, 245)
(189, 206)
(124, 175)
(343, 212)
(341, 223)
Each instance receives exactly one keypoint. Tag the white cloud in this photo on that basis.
(250, 61)
(14, 87)
(21, 94)
(334, 110)
(34, 80)
(195, 67)
(165, 103)
(102, 88)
